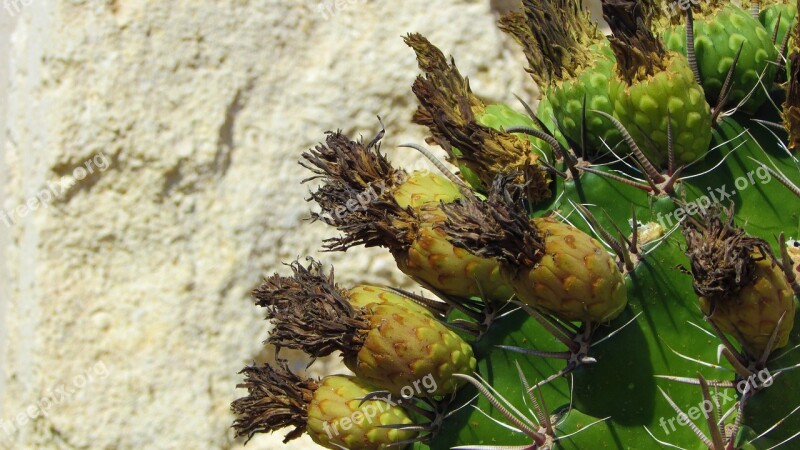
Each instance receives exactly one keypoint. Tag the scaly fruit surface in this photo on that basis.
(331, 411)
(551, 266)
(338, 418)
(402, 349)
(594, 85)
(657, 87)
(421, 188)
(740, 284)
(718, 36)
(572, 63)
(310, 312)
(753, 313)
(432, 259)
(364, 295)
(640, 376)
(576, 279)
(401, 214)
(644, 106)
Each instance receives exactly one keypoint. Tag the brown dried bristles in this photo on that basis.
(444, 77)
(311, 313)
(662, 14)
(277, 398)
(448, 109)
(640, 53)
(355, 196)
(555, 36)
(722, 256)
(352, 163)
(496, 228)
(791, 107)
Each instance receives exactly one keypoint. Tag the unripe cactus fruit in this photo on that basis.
(570, 59)
(389, 344)
(576, 279)
(422, 188)
(771, 14)
(656, 85)
(364, 295)
(401, 215)
(552, 266)
(740, 285)
(329, 410)
(720, 30)
(339, 397)
(402, 348)
(706, 342)
(465, 132)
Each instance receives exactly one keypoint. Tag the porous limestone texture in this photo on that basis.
(167, 135)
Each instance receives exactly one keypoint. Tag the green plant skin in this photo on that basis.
(664, 308)
(545, 113)
(622, 383)
(500, 117)
(593, 84)
(716, 41)
(769, 18)
(643, 107)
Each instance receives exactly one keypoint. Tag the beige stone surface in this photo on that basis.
(128, 303)
(7, 22)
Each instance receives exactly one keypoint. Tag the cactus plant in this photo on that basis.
(640, 295)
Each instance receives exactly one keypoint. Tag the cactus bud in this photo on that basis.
(402, 216)
(387, 344)
(741, 288)
(279, 398)
(570, 59)
(656, 85)
(552, 266)
(457, 120)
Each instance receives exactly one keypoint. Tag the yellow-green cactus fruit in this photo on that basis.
(551, 266)
(740, 285)
(374, 204)
(330, 410)
(391, 345)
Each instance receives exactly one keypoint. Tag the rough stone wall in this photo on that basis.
(128, 305)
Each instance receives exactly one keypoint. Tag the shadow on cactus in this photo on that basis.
(616, 268)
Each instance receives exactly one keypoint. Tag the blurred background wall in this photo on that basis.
(7, 22)
(151, 180)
